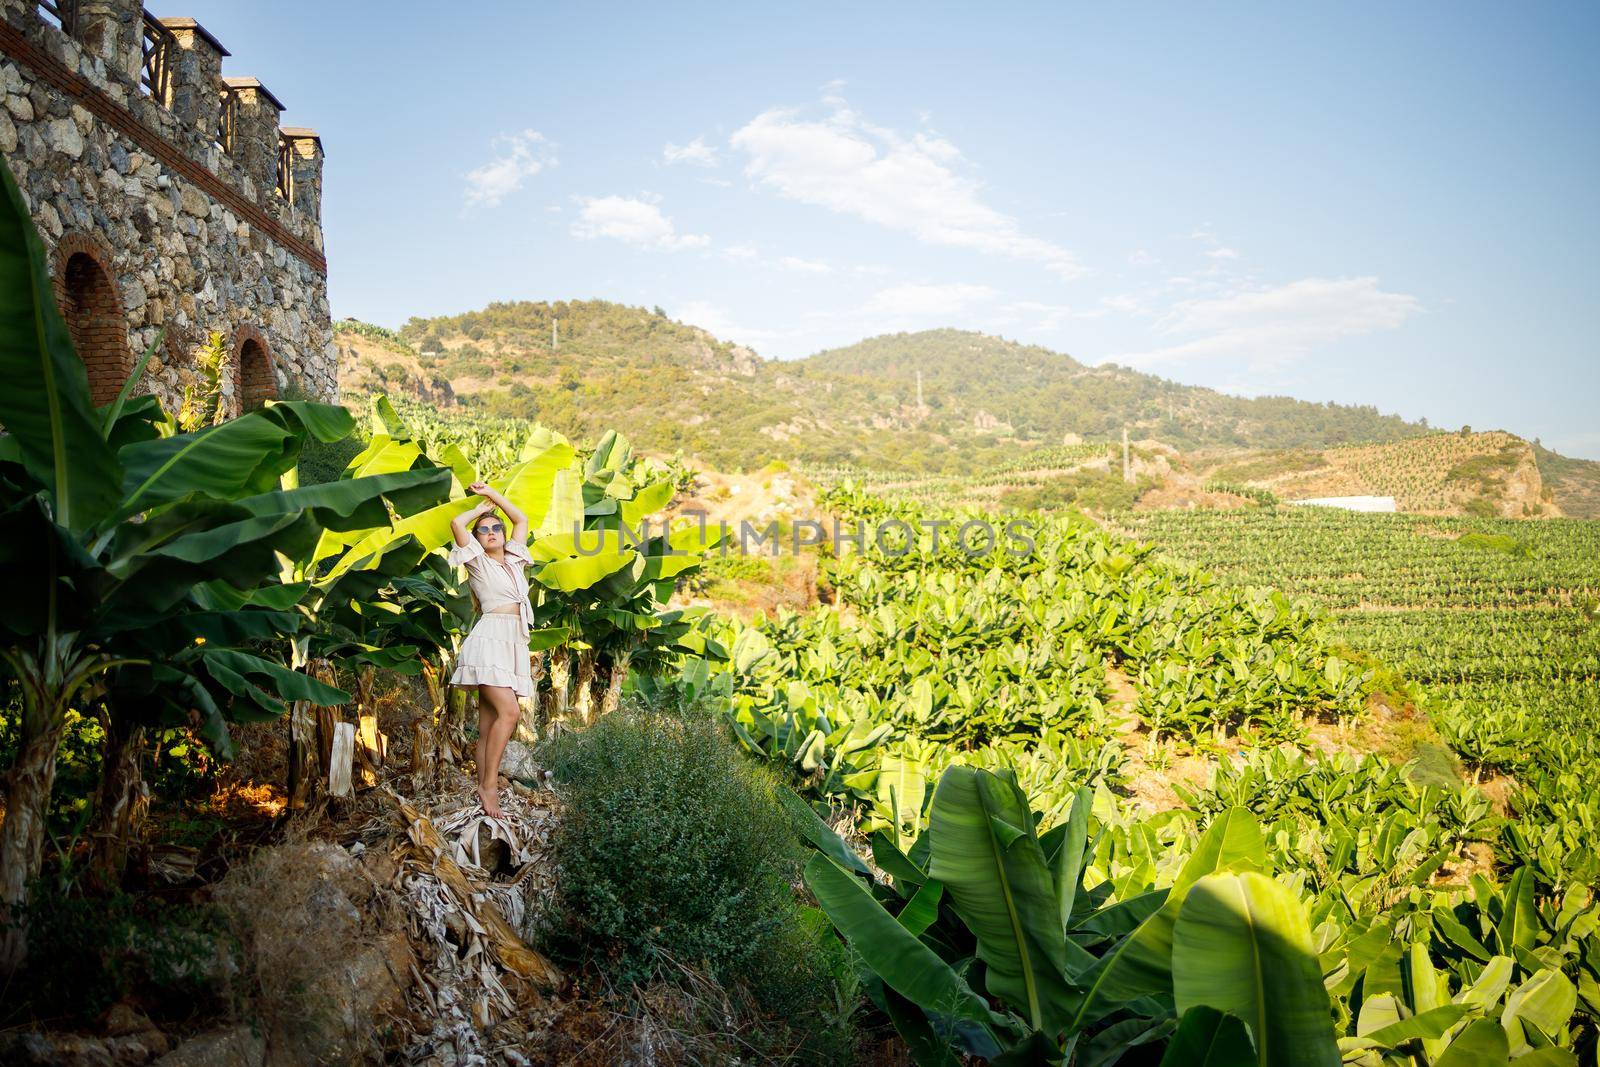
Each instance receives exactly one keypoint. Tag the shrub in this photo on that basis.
(87, 953)
(1494, 543)
(675, 855)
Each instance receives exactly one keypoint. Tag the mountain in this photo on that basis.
(584, 366)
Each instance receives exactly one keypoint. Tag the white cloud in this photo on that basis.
(519, 156)
(1141, 258)
(742, 251)
(805, 266)
(906, 183)
(917, 301)
(636, 222)
(696, 152)
(1041, 316)
(717, 321)
(1223, 252)
(1267, 328)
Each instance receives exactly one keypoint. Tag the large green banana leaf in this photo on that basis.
(646, 502)
(530, 486)
(1519, 922)
(580, 561)
(1242, 945)
(985, 850)
(1207, 1037)
(383, 455)
(902, 787)
(1141, 963)
(894, 954)
(562, 512)
(1482, 1044)
(45, 405)
(1067, 864)
(241, 456)
(357, 504)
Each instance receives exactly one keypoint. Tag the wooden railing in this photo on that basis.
(63, 13)
(227, 117)
(160, 48)
(285, 183)
(159, 53)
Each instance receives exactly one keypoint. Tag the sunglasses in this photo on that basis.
(490, 527)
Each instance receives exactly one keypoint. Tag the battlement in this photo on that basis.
(166, 75)
(172, 203)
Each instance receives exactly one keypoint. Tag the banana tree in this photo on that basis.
(118, 536)
(987, 941)
(612, 591)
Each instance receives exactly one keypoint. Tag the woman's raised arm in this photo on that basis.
(459, 524)
(518, 519)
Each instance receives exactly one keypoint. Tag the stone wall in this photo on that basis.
(150, 222)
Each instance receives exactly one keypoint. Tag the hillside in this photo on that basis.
(1573, 483)
(677, 386)
(581, 367)
(1487, 474)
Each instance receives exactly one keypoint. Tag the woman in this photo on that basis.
(494, 657)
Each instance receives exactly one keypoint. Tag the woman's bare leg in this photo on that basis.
(502, 725)
(485, 720)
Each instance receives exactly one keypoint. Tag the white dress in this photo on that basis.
(495, 652)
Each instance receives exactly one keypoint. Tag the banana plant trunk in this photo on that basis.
(302, 753)
(306, 768)
(121, 800)
(28, 786)
(618, 674)
(50, 679)
(583, 704)
(530, 723)
(557, 699)
(438, 717)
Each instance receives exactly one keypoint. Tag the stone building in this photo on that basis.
(168, 199)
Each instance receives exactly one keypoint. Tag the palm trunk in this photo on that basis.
(583, 706)
(619, 674)
(121, 800)
(28, 785)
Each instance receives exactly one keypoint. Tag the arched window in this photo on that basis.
(257, 382)
(93, 312)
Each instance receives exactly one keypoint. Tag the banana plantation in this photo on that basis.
(962, 746)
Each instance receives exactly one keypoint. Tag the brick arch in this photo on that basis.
(255, 375)
(86, 293)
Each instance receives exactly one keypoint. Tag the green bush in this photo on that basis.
(674, 853)
(1096, 490)
(740, 568)
(1494, 543)
(178, 962)
(323, 461)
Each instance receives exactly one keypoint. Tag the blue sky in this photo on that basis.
(1384, 204)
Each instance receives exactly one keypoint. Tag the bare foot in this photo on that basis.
(490, 799)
